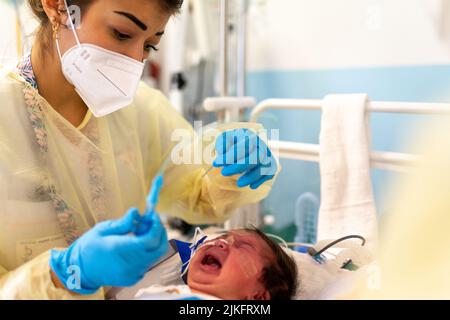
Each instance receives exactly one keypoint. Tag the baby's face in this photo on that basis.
(229, 267)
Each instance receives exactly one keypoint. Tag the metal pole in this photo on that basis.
(224, 48)
(426, 108)
(242, 48)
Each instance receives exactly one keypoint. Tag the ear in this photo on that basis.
(261, 295)
(54, 9)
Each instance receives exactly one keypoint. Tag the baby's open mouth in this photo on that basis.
(211, 263)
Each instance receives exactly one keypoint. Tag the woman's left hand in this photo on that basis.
(241, 151)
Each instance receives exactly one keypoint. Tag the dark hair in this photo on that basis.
(172, 6)
(44, 32)
(280, 274)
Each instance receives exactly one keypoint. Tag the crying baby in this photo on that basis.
(239, 265)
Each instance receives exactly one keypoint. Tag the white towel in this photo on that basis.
(347, 204)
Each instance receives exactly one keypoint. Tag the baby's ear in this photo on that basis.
(262, 295)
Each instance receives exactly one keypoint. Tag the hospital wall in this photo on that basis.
(392, 50)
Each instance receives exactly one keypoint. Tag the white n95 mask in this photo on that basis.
(106, 81)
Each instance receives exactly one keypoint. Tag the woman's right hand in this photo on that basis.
(112, 253)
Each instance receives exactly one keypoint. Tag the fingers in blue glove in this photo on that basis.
(235, 146)
(259, 157)
(161, 250)
(256, 177)
(234, 169)
(248, 150)
(151, 240)
(245, 165)
(151, 257)
(260, 182)
(227, 139)
(127, 224)
(250, 177)
(241, 151)
(145, 223)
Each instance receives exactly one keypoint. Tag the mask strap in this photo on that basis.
(71, 24)
(57, 46)
(72, 27)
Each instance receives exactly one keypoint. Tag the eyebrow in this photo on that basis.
(138, 22)
(247, 238)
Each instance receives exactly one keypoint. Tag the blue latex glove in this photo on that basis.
(110, 254)
(242, 152)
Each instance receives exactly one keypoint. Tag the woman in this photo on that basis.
(80, 142)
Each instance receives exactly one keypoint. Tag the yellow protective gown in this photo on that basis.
(58, 181)
(414, 262)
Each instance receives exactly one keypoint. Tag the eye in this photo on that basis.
(244, 244)
(121, 36)
(150, 47)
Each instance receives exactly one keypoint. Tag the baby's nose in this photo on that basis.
(223, 243)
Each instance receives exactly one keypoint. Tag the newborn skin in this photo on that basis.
(230, 267)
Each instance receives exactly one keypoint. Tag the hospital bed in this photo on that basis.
(320, 281)
(337, 282)
(229, 109)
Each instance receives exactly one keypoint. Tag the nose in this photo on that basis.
(224, 244)
(136, 53)
(138, 57)
(221, 244)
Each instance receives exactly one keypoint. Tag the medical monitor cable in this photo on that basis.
(315, 253)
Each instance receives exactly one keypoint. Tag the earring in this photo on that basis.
(55, 28)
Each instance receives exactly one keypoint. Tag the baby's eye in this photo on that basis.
(245, 245)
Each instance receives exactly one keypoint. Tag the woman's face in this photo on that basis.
(132, 28)
(230, 267)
